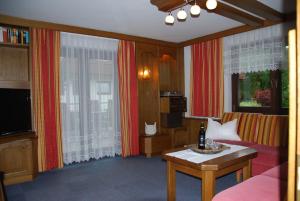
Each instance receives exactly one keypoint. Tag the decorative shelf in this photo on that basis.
(16, 45)
(15, 84)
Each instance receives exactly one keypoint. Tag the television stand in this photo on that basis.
(18, 157)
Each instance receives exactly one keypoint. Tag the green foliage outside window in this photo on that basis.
(254, 89)
(285, 88)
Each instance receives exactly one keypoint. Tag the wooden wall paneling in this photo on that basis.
(13, 64)
(294, 121)
(180, 67)
(258, 8)
(193, 126)
(168, 69)
(148, 89)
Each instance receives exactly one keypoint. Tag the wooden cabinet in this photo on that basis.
(18, 157)
(18, 152)
(154, 145)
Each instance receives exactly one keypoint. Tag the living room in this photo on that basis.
(107, 100)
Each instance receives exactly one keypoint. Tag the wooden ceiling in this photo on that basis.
(248, 12)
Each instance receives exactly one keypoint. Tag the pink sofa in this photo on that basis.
(268, 186)
(267, 134)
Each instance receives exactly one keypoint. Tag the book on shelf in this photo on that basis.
(14, 35)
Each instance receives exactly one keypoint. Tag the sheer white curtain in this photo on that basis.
(257, 50)
(89, 97)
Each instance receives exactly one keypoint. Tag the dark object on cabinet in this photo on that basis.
(15, 107)
(171, 109)
(172, 120)
(2, 188)
(172, 104)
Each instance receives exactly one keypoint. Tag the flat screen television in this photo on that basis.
(15, 111)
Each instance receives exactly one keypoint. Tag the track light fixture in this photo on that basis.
(211, 4)
(194, 10)
(181, 15)
(169, 19)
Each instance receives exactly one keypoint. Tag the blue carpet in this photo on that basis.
(111, 179)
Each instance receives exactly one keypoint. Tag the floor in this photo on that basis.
(111, 179)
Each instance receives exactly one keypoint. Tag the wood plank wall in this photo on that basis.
(166, 74)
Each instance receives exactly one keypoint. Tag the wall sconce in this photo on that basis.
(145, 73)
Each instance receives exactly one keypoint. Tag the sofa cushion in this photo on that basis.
(267, 157)
(226, 131)
(273, 130)
(279, 172)
(229, 116)
(263, 188)
(247, 124)
(241, 143)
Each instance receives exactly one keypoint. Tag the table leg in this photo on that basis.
(208, 185)
(171, 181)
(247, 171)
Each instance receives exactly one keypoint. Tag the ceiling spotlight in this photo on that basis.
(195, 10)
(211, 4)
(169, 19)
(181, 15)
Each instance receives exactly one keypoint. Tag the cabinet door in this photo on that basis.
(16, 158)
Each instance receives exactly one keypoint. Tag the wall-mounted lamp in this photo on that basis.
(145, 73)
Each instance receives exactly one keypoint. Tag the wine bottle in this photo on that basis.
(201, 143)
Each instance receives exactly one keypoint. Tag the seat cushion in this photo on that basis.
(241, 143)
(279, 172)
(267, 157)
(262, 188)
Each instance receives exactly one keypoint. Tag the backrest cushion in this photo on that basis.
(229, 116)
(273, 130)
(247, 124)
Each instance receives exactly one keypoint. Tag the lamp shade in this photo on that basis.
(169, 19)
(195, 10)
(211, 4)
(181, 15)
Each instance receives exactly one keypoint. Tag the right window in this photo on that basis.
(263, 92)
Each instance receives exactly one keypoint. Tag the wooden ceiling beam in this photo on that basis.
(222, 9)
(258, 9)
(237, 15)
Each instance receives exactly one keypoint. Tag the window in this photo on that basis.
(265, 92)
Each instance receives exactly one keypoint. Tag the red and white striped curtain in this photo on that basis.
(128, 98)
(207, 84)
(46, 97)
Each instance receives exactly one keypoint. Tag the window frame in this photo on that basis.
(275, 107)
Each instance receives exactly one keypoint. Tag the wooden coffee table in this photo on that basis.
(208, 171)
